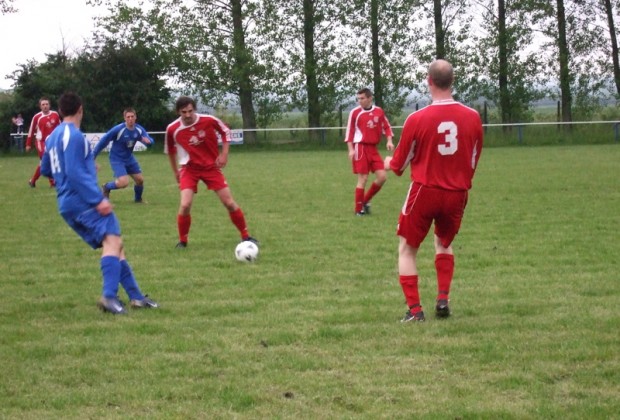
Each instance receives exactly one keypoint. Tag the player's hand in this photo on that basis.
(97, 167)
(146, 140)
(351, 154)
(221, 161)
(386, 162)
(104, 208)
(28, 149)
(390, 146)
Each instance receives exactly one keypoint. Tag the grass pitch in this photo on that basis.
(311, 330)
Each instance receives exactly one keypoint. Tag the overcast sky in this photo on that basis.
(42, 27)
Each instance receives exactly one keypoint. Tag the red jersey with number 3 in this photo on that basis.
(442, 143)
(196, 144)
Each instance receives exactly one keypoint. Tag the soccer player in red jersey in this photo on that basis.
(192, 142)
(42, 125)
(367, 123)
(442, 144)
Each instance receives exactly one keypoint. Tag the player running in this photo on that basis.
(124, 138)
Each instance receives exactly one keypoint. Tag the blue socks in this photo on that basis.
(111, 185)
(137, 189)
(129, 283)
(111, 271)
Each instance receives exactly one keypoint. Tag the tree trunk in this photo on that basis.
(440, 36)
(502, 40)
(564, 58)
(376, 57)
(614, 43)
(242, 71)
(312, 85)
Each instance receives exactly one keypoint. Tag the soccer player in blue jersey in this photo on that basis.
(124, 137)
(69, 160)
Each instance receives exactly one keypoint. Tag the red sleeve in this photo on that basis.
(32, 129)
(405, 148)
(169, 144)
(351, 125)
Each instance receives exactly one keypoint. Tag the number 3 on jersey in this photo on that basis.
(451, 145)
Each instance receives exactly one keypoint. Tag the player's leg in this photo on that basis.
(234, 211)
(128, 281)
(184, 217)
(444, 266)
(138, 187)
(362, 179)
(376, 165)
(121, 178)
(134, 170)
(37, 172)
(408, 278)
(447, 225)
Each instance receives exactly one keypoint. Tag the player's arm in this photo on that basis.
(170, 149)
(388, 133)
(31, 131)
(103, 142)
(145, 139)
(224, 132)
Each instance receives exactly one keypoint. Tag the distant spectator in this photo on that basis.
(19, 124)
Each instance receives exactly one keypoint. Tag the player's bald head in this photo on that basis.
(441, 74)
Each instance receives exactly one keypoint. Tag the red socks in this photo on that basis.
(374, 189)
(184, 222)
(444, 264)
(359, 199)
(410, 289)
(238, 220)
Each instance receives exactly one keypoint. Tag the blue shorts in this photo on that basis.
(120, 168)
(93, 227)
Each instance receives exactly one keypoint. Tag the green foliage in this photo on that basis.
(109, 78)
(312, 329)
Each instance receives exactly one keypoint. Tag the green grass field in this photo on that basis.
(312, 329)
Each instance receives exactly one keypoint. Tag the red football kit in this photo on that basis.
(364, 130)
(442, 144)
(196, 148)
(41, 127)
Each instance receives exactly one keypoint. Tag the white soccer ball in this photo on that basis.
(246, 251)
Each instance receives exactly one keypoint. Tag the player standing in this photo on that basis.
(69, 160)
(42, 125)
(124, 137)
(192, 139)
(442, 144)
(367, 123)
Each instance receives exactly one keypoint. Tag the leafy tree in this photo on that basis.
(507, 70)
(391, 50)
(6, 7)
(108, 78)
(208, 45)
(312, 55)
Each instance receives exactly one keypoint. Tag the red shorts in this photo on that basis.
(212, 177)
(425, 205)
(366, 159)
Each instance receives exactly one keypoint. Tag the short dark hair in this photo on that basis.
(129, 109)
(69, 104)
(183, 101)
(365, 91)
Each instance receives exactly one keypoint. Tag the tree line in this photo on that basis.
(268, 56)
